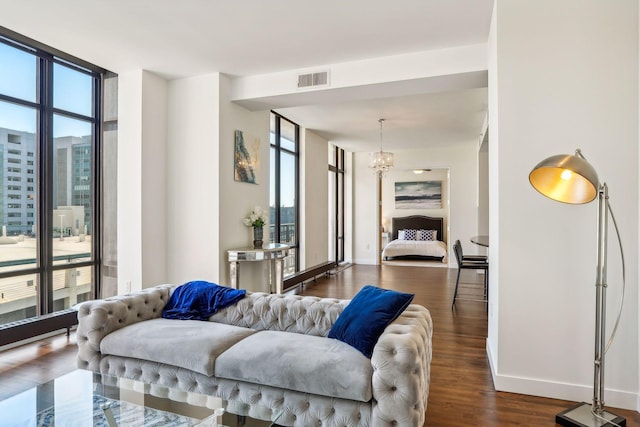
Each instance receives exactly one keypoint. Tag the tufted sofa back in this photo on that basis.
(290, 313)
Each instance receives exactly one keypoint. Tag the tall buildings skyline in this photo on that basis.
(18, 182)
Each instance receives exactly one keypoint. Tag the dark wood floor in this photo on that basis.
(461, 391)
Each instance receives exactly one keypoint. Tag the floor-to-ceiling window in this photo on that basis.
(50, 109)
(284, 190)
(336, 204)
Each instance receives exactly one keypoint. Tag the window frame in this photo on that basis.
(338, 169)
(44, 164)
(277, 184)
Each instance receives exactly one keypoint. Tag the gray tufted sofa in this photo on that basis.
(267, 349)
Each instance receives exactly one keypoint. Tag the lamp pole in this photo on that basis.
(601, 301)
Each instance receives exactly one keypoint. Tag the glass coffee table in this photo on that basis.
(83, 398)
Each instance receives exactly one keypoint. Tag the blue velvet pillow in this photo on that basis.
(362, 321)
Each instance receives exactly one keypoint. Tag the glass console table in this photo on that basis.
(84, 398)
(273, 253)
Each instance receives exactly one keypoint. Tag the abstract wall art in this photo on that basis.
(247, 157)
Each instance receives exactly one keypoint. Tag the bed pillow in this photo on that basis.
(367, 315)
(427, 235)
(407, 234)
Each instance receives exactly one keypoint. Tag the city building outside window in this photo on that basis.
(50, 121)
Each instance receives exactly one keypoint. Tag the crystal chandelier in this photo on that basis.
(381, 161)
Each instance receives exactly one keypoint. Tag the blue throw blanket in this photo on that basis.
(198, 300)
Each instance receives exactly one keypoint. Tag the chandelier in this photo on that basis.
(381, 161)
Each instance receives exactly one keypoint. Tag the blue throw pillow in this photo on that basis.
(362, 321)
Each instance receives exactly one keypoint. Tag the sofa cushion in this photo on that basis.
(298, 362)
(189, 344)
(367, 315)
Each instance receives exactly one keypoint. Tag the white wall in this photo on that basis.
(462, 162)
(314, 194)
(563, 75)
(365, 211)
(349, 206)
(193, 179)
(154, 179)
(483, 191)
(455, 68)
(141, 227)
(237, 199)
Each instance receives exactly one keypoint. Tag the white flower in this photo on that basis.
(257, 218)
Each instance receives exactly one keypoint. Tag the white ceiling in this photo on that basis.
(246, 37)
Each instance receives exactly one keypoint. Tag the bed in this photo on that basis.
(412, 238)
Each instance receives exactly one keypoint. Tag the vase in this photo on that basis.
(257, 237)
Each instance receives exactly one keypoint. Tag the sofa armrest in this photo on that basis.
(401, 370)
(98, 318)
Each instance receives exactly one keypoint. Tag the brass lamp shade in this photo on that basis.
(566, 178)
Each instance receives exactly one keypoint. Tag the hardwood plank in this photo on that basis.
(461, 391)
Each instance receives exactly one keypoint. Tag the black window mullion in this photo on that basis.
(340, 207)
(45, 185)
(297, 195)
(96, 230)
(72, 115)
(337, 196)
(278, 180)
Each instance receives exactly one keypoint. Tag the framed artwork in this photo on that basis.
(247, 157)
(418, 195)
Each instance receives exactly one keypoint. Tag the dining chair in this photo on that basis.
(470, 262)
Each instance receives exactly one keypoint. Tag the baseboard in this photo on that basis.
(365, 261)
(492, 363)
(564, 391)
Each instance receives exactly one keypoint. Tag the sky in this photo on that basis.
(72, 92)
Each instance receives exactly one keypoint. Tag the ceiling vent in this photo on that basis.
(310, 80)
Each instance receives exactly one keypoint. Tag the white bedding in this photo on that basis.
(434, 248)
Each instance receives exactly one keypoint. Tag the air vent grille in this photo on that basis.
(313, 79)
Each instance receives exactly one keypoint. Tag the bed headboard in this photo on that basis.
(417, 222)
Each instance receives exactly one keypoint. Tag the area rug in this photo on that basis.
(124, 414)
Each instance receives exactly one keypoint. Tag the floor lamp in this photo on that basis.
(571, 179)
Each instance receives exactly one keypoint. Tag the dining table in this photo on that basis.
(482, 240)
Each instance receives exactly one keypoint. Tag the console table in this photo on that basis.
(274, 253)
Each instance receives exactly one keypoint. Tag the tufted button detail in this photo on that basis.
(394, 388)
